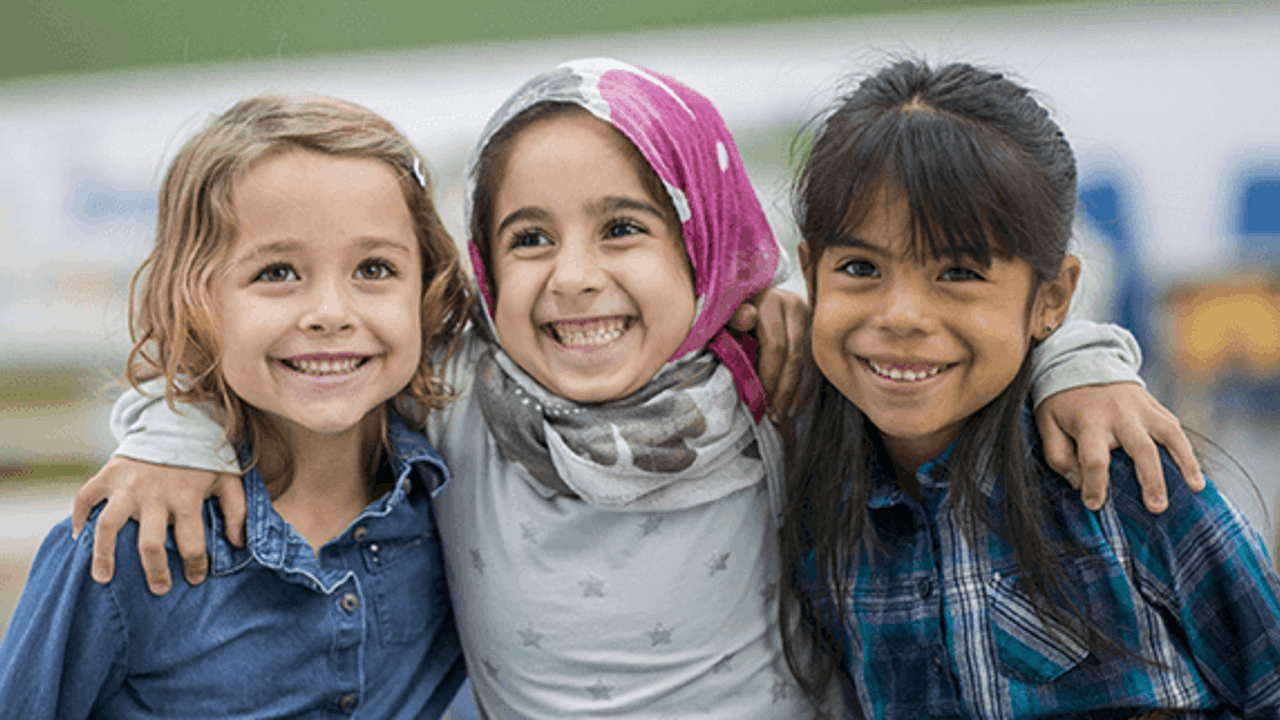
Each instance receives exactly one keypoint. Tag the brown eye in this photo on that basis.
(859, 268)
(276, 272)
(623, 227)
(375, 270)
(959, 273)
(530, 238)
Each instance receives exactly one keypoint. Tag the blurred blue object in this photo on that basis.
(1105, 206)
(1259, 220)
(97, 201)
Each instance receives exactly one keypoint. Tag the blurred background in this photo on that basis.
(1172, 109)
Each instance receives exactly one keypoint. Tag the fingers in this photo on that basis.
(110, 520)
(188, 532)
(1167, 431)
(1059, 451)
(771, 332)
(152, 529)
(744, 318)
(1093, 455)
(230, 493)
(796, 319)
(97, 489)
(1146, 461)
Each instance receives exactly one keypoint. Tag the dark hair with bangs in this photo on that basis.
(984, 171)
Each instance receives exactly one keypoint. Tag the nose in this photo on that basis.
(577, 269)
(905, 309)
(329, 308)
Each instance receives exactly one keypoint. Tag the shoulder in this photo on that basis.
(1186, 507)
(412, 452)
(460, 366)
(1200, 534)
(60, 595)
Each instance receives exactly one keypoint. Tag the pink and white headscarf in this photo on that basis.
(683, 138)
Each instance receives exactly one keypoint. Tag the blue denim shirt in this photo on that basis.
(364, 630)
(942, 628)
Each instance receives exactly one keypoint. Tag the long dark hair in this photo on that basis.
(984, 171)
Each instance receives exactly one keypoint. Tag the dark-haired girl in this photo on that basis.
(936, 561)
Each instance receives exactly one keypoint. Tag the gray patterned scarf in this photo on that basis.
(682, 440)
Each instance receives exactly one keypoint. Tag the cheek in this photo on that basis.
(827, 338)
(512, 302)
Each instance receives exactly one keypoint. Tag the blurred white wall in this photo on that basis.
(1171, 102)
(1172, 97)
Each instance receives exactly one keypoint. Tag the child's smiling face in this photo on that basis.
(919, 346)
(319, 297)
(594, 289)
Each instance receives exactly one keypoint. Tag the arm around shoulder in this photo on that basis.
(148, 429)
(1082, 352)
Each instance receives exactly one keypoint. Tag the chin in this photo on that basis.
(590, 392)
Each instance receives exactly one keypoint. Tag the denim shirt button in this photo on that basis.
(350, 602)
(347, 702)
(937, 660)
(924, 587)
(360, 533)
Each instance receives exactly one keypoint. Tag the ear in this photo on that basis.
(1053, 299)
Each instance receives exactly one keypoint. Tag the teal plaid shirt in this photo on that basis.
(941, 628)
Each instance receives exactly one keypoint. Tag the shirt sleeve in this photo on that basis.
(148, 429)
(65, 647)
(1205, 565)
(1082, 352)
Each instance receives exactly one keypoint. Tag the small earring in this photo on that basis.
(1048, 329)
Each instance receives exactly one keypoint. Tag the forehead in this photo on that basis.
(898, 225)
(301, 196)
(570, 137)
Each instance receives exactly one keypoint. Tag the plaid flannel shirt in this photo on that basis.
(942, 628)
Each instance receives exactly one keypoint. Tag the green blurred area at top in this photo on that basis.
(47, 37)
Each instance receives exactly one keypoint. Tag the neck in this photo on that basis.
(330, 481)
(908, 454)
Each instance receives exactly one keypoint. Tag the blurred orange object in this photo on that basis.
(1226, 324)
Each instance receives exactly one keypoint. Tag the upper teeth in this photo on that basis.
(898, 373)
(322, 367)
(595, 333)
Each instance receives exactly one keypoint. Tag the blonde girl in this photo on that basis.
(299, 282)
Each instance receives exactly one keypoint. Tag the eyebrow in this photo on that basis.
(603, 206)
(613, 204)
(524, 213)
(845, 241)
(284, 247)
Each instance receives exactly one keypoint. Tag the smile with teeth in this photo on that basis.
(330, 366)
(589, 333)
(908, 373)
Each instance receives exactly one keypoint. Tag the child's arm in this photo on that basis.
(156, 495)
(65, 645)
(1086, 388)
(779, 319)
(167, 464)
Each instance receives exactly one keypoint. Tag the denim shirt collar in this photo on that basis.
(273, 543)
(932, 475)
